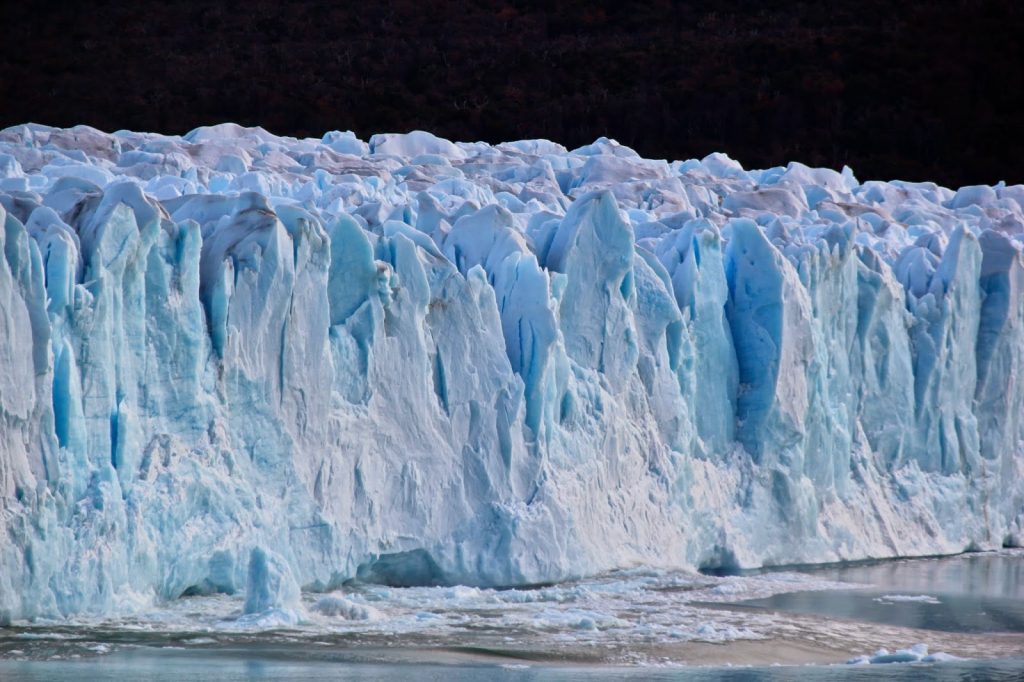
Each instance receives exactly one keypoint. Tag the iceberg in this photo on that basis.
(232, 362)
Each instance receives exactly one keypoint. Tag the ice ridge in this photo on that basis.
(237, 362)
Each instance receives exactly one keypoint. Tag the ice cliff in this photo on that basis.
(236, 362)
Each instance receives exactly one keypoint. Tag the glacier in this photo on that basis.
(232, 362)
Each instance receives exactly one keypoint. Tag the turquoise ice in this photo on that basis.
(236, 362)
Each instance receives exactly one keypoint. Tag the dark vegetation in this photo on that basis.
(916, 90)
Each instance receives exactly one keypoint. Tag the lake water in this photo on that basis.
(167, 668)
(637, 624)
(972, 593)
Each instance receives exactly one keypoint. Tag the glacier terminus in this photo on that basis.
(232, 362)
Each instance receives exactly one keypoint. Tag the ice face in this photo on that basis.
(235, 362)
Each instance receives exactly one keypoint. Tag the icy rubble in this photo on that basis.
(915, 654)
(235, 362)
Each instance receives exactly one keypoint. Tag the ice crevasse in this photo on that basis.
(236, 362)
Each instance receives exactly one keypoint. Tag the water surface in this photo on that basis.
(971, 593)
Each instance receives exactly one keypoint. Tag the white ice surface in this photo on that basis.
(239, 363)
(907, 598)
(914, 654)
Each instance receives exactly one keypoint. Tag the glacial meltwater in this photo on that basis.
(972, 593)
(958, 617)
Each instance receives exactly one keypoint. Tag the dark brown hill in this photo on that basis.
(916, 90)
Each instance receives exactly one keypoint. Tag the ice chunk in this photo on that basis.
(340, 607)
(914, 654)
(270, 588)
(413, 144)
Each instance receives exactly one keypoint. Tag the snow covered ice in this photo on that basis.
(239, 363)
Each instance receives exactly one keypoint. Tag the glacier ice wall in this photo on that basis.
(235, 362)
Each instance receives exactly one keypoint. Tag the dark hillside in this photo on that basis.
(916, 90)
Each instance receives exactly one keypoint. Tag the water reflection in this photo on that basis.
(998, 575)
(973, 593)
(159, 667)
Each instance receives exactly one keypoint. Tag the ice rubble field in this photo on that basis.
(235, 362)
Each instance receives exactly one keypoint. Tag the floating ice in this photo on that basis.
(339, 606)
(914, 654)
(233, 362)
(907, 598)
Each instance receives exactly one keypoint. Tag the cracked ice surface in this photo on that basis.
(235, 362)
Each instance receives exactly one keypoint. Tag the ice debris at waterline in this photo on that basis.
(235, 362)
(915, 654)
